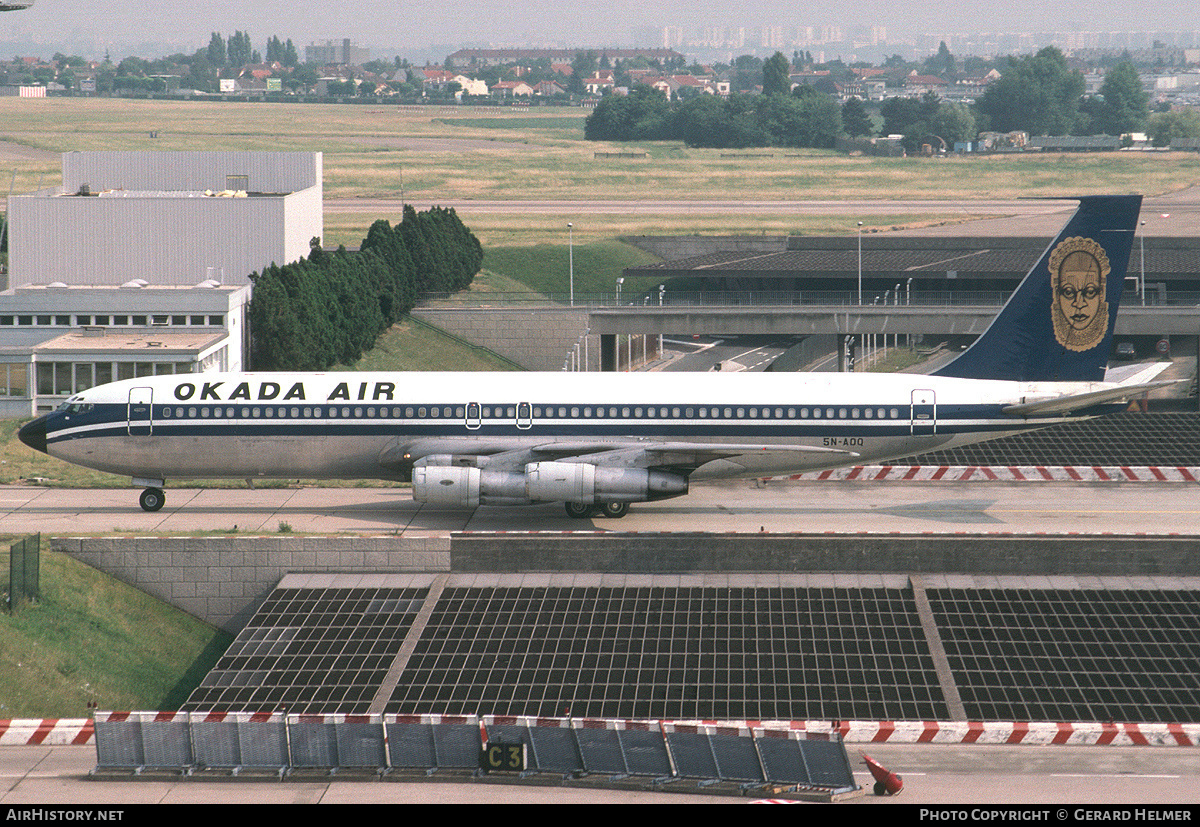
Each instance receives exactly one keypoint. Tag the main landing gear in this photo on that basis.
(152, 499)
(581, 511)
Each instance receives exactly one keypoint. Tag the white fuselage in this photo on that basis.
(377, 425)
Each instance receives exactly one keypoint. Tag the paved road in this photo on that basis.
(931, 773)
(1175, 214)
(735, 506)
(689, 206)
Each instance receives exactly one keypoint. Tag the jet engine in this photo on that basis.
(464, 486)
(579, 482)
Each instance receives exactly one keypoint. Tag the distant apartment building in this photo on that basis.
(336, 52)
(500, 57)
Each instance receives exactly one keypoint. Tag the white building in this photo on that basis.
(168, 218)
(139, 265)
(57, 340)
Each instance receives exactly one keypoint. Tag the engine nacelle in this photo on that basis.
(465, 487)
(446, 485)
(579, 482)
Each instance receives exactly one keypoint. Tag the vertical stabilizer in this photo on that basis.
(1058, 324)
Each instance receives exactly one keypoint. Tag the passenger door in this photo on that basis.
(923, 419)
(140, 412)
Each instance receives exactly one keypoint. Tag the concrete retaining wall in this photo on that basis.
(222, 580)
(535, 338)
(670, 247)
(876, 554)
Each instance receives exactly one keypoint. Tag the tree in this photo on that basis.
(240, 52)
(747, 73)
(942, 63)
(1166, 126)
(855, 119)
(583, 66)
(616, 117)
(1126, 104)
(775, 80)
(216, 50)
(1038, 94)
(953, 122)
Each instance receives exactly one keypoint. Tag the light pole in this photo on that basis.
(1142, 290)
(662, 291)
(896, 300)
(908, 301)
(860, 263)
(571, 258)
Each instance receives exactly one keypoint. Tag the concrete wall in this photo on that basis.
(535, 338)
(875, 554)
(670, 248)
(223, 580)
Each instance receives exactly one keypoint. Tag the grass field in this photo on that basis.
(91, 638)
(456, 153)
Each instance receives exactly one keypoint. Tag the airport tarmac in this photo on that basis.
(938, 774)
(783, 506)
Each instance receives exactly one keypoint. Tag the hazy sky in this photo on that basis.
(388, 28)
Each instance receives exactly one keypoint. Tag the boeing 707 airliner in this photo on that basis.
(598, 442)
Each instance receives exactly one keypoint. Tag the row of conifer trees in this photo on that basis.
(329, 308)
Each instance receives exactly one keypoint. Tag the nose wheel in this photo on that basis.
(152, 499)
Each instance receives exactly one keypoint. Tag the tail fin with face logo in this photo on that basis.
(1058, 324)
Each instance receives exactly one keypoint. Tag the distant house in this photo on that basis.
(434, 79)
(698, 84)
(512, 89)
(471, 86)
(548, 89)
(596, 84)
(915, 84)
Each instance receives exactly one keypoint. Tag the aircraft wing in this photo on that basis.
(1075, 401)
(672, 454)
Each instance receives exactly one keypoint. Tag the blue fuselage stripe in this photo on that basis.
(227, 420)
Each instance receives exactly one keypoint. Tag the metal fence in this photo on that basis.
(24, 572)
(569, 747)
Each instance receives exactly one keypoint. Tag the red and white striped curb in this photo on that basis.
(80, 731)
(46, 731)
(1004, 473)
(1037, 733)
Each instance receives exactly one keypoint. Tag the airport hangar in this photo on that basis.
(138, 265)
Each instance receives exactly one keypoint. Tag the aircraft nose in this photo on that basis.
(33, 434)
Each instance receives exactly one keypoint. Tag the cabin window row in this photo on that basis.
(574, 412)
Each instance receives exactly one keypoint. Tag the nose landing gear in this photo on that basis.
(152, 499)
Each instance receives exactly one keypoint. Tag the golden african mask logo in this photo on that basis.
(1078, 272)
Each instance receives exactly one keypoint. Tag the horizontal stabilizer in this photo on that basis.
(1076, 401)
